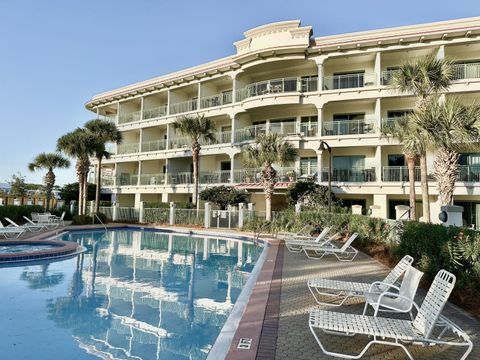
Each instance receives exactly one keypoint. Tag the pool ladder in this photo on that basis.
(101, 222)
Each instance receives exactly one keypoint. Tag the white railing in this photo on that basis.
(127, 180)
(154, 145)
(185, 106)
(130, 117)
(309, 129)
(466, 71)
(347, 81)
(283, 128)
(152, 179)
(348, 127)
(155, 112)
(398, 173)
(250, 132)
(284, 174)
(387, 76)
(469, 173)
(112, 118)
(180, 178)
(127, 148)
(350, 175)
(273, 86)
(389, 122)
(215, 177)
(216, 100)
(180, 143)
(309, 84)
(107, 180)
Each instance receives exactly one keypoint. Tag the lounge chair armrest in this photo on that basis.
(378, 304)
(381, 283)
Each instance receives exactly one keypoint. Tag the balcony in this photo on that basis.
(253, 176)
(468, 173)
(127, 180)
(250, 132)
(389, 122)
(348, 81)
(387, 77)
(216, 100)
(466, 71)
(152, 179)
(107, 180)
(277, 86)
(215, 177)
(154, 145)
(350, 175)
(349, 127)
(185, 106)
(180, 143)
(127, 148)
(180, 178)
(398, 173)
(309, 130)
(130, 117)
(155, 112)
(283, 128)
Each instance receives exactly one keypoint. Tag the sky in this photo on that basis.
(56, 54)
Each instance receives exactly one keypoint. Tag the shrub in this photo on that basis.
(102, 217)
(309, 193)
(224, 196)
(82, 220)
(58, 212)
(16, 213)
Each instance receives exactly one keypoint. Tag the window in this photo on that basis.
(398, 113)
(349, 162)
(347, 124)
(352, 79)
(308, 165)
(396, 160)
(387, 75)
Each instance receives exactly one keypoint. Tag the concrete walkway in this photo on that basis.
(295, 340)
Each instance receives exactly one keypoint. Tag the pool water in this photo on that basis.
(12, 249)
(135, 295)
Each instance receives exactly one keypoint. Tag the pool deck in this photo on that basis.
(275, 321)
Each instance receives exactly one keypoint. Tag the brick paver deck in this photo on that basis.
(295, 340)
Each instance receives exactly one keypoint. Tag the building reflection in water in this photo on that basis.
(151, 295)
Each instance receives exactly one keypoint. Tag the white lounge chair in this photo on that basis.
(346, 253)
(35, 225)
(303, 232)
(343, 290)
(59, 221)
(11, 232)
(400, 300)
(396, 332)
(296, 244)
(27, 227)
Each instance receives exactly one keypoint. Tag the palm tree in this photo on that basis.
(423, 78)
(196, 128)
(450, 126)
(79, 144)
(104, 132)
(49, 161)
(412, 146)
(268, 150)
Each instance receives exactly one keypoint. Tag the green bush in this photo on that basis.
(156, 205)
(82, 220)
(102, 217)
(16, 213)
(58, 212)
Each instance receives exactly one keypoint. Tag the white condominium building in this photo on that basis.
(281, 79)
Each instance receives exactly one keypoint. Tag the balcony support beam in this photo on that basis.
(378, 68)
(378, 116)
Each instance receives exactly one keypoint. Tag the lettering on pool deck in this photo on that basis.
(244, 344)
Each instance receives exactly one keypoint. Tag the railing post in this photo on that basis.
(251, 210)
(141, 214)
(208, 209)
(241, 214)
(172, 213)
(115, 212)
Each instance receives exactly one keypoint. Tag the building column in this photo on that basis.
(166, 171)
(199, 94)
(380, 200)
(167, 145)
(141, 108)
(440, 52)
(232, 170)
(320, 60)
(319, 121)
(168, 101)
(378, 115)
(140, 140)
(378, 68)
(232, 138)
(378, 163)
(137, 200)
(319, 166)
(139, 172)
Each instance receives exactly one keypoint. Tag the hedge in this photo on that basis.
(16, 213)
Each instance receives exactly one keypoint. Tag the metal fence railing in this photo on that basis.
(156, 216)
(128, 214)
(189, 217)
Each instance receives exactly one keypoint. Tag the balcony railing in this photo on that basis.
(216, 100)
(152, 179)
(350, 175)
(469, 173)
(466, 71)
(284, 174)
(309, 129)
(154, 145)
(283, 128)
(180, 143)
(107, 180)
(130, 117)
(250, 132)
(127, 148)
(348, 127)
(127, 180)
(112, 118)
(155, 112)
(389, 122)
(398, 173)
(185, 106)
(309, 84)
(275, 86)
(180, 178)
(215, 177)
(387, 76)
(347, 81)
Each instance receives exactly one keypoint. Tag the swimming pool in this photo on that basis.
(135, 295)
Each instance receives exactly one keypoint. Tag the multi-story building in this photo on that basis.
(283, 80)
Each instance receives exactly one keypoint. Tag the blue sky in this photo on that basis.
(56, 54)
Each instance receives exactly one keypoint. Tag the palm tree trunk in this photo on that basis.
(446, 172)
(411, 184)
(268, 182)
(49, 183)
(99, 184)
(85, 192)
(424, 182)
(80, 186)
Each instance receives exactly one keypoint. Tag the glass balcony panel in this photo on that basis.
(387, 77)
(466, 71)
(349, 127)
(130, 117)
(398, 173)
(180, 178)
(152, 179)
(185, 106)
(347, 81)
(180, 143)
(216, 100)
(127, 148)
(469, 173)
(215, 177)
(155, 112)
(350, 175)
(250, 132)
(127, 179)
(154, 145)
(309, 129)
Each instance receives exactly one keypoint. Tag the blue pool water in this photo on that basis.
(134, 295)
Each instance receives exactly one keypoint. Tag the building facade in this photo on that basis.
(283, 80)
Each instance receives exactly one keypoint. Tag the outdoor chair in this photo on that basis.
(397, 332)
(11, 232)
(27, 227)
(400, 299)
(343, 290)
(296, 244)
(303, 232)
(346, 253)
